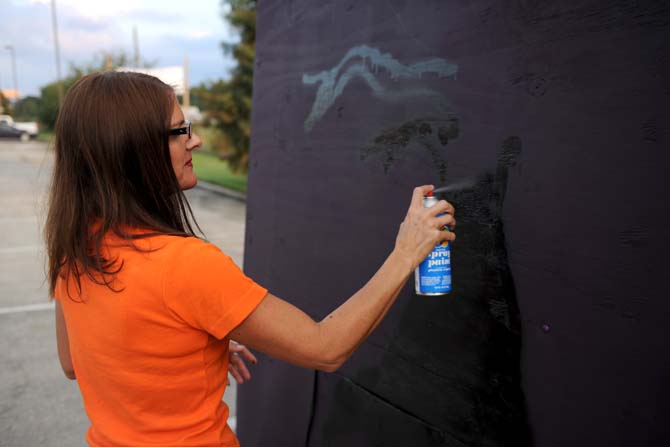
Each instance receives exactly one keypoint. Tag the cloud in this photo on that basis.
(152, 15)
(87, 24)
(198, 34)
(168, 30)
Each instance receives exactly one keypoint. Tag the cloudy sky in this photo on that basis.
(168, 30)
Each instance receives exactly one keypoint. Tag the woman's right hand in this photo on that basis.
(422, 229)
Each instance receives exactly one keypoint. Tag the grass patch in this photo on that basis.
(45, 136)
(210, 168)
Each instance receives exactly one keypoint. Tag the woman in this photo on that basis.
(145, 309)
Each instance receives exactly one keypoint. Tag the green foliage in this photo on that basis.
(48, 101)
(228, 102)
(27, 109)
(48, 110)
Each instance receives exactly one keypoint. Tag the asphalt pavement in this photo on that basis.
(38, 405)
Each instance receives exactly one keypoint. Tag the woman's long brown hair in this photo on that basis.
(112, 172)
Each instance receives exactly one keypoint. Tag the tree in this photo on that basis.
(228, 102)
(27, 109)
(48, 105)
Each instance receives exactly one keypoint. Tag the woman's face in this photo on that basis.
(180, 150)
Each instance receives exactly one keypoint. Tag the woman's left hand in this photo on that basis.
(236, 367)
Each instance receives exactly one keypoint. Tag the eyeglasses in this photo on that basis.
(182, 130)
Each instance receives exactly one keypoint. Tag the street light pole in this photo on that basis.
(11, 50)
(54, 21)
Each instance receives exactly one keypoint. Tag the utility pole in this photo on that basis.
(136, 45)
(187, 89)
(59, 81)
(12, 52)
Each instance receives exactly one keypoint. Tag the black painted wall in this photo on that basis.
(554, 117)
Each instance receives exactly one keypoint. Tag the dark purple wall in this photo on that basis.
(555, 115)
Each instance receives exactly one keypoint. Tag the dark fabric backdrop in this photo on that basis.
(553, 116)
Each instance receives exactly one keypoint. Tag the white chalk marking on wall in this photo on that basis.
(368, 62)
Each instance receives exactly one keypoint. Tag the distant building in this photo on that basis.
(175, 76)
(11, 95)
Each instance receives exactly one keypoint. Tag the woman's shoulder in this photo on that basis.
(171, 242)
(195, 257)
(157, 246)
(190, 248)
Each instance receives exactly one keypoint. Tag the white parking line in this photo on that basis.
(23, 249)
(4, 219)
(26, 308)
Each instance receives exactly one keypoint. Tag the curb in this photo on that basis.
(211, 187)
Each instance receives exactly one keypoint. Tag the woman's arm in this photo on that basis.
(63, 343)
(283, 331)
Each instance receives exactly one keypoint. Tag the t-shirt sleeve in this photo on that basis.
(205, 288)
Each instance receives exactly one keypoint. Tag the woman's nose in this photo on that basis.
(194, 142)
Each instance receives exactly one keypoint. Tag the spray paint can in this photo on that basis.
(433, 276)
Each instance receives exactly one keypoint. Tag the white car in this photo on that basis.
(7, 131)
(29, 128)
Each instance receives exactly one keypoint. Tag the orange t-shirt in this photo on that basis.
(152, 360)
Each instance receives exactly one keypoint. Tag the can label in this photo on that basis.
(433, 275)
